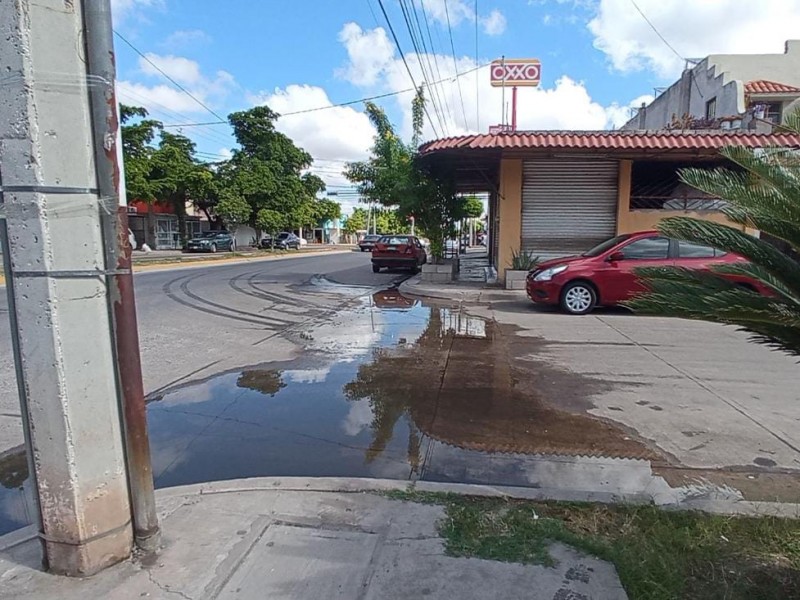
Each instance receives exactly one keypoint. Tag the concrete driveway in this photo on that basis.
(709, 402)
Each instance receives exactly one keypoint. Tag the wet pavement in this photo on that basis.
(389, 387)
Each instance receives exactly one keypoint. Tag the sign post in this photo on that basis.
(515, 72)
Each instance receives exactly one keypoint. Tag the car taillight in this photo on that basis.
(379, 247)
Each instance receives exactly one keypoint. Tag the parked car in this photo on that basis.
(605, 275)
(283, 241)
(368, 242)
(211, 241)
(398, 251)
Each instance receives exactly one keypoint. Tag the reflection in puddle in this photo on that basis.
(398, 382)
(16, 505)
(396, 389)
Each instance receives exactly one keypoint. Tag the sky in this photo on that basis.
(599, 58)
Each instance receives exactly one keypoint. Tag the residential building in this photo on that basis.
(727, 91)
(556, 193)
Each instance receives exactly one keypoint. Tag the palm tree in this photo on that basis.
(763, 193)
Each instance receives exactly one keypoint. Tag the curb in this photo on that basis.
(354, 485)
(197, 263)
(454, 292)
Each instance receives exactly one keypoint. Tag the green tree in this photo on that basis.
(328, 210)
(357, 221)
(266, 168)
(393, 176)
(763, 193)
(270, 221)
(176, 177)
(138, 133)
(472, 208)
(233, 210)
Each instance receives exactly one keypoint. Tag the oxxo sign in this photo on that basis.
(516, 72)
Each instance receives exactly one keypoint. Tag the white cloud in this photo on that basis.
(120, 9)
(709, 27)
(367, 51)
(333, 136)
(494, 23)
(457, 10)
(183, 70)
(225, 153)
(618, 114)
(566, 105)
(186, 39)
(210, 90)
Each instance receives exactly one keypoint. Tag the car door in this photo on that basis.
(619, 281)
(696, 256)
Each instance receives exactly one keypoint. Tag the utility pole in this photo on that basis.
(70, 278)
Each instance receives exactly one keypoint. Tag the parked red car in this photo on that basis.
(398, 251)
(605, 274)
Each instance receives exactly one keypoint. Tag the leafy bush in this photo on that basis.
(523, 260)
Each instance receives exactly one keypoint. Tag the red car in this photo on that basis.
(398, 251)
(605, 276)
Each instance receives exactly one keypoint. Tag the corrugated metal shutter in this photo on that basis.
(568, 206)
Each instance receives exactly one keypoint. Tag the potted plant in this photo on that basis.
(522, 263)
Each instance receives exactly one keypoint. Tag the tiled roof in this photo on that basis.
(762, 86)
(611, 140)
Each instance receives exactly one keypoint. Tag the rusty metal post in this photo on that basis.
(101, 74)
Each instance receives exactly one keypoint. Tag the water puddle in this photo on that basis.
(388, 387)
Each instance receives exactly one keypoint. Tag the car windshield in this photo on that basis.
(207, 234)
(283, 236)
(394, 240)
(605, 246)
(371, 238)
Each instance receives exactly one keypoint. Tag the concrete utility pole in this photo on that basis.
(70, 282)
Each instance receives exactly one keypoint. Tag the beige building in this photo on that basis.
(556, 193)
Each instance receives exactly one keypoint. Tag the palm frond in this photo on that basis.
(726, 238)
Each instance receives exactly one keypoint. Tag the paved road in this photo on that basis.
(199, 321)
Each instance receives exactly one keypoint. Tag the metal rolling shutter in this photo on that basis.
(568, 206)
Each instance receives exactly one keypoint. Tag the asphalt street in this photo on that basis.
(199, 321)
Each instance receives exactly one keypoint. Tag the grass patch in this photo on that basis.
(658, 554)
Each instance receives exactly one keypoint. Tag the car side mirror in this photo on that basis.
(616, 256)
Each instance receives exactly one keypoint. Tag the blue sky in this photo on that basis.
(599, 57)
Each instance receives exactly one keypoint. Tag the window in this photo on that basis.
(655, 185)
(690, 250)
(773, 112)
(652, 248)
(394, 240)
(711, 109)
(607, 245)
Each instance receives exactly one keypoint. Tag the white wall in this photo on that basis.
(720, 76)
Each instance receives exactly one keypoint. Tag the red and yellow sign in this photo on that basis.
(515, 72)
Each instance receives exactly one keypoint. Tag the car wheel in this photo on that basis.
(578, 298)
(213, 248)
(376, 269)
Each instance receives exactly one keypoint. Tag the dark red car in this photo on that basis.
(398, 251)
(605, 274)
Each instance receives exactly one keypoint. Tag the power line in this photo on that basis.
(477, 81)
(409, 26)
(436, 58)
(340, 104)
(408, 69)
(658, 33)
(455, 64)
(157, 68)
(435, 90)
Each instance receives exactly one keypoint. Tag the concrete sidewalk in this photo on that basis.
(308, 539)
(457, 291)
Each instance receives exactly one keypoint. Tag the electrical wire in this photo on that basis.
(658, 33)
(436, 91)
(455, 64)
(408, 69)
(419, 56)
(157, 68)
(477, 81)
(436, 60)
